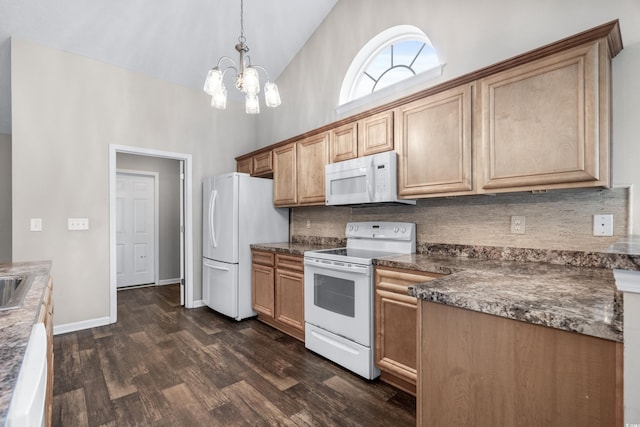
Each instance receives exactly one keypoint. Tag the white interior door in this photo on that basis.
(135, 229)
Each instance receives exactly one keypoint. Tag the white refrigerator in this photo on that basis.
(237, 212)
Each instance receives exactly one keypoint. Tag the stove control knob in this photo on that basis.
(395, 229)
(404, 230)
(350, 227)
(355, 228)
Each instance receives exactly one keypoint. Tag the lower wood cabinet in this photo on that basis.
(480, 370)
(396, 326)
(278, 291)
(45, 315)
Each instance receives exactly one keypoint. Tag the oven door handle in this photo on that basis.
(338, 266)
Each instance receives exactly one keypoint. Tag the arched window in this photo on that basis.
(397, 54)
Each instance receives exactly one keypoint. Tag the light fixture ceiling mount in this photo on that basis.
(246, 78)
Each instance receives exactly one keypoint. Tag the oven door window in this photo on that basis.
(334, 294)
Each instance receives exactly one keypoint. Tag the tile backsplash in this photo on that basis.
(559, 220)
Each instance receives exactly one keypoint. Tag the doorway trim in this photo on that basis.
(156, 217)
(188, 223)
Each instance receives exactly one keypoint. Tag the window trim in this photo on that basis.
(372, 48)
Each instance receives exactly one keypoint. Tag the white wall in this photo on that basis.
(468, 35)
(5, 198)
(67, 109)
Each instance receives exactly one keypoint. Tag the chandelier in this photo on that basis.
(246, 78)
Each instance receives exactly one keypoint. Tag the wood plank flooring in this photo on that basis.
(164, 365)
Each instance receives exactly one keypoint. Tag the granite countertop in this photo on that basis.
(15, 327)
(577, 299)
(565, 291)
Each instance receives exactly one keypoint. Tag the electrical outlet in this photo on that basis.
(76, 224)
(517, 224)
(603, 225)
(308, 223)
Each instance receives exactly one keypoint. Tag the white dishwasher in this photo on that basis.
(27, 405)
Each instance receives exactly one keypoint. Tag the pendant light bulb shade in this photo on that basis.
(250, 81)
(271, 95)
(244, 75)
(213, 82)
(219, 98)
(252, 104)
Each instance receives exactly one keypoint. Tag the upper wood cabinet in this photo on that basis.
(537, 121)
(245, 165)
(370, 135)
(298, 171)
(545, 124)
(260, 164)
(312, 154)
(263, 164)
(343, 141)
(284, 176)
(433, 140)
(375, 133)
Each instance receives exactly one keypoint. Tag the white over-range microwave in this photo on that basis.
(368, 179)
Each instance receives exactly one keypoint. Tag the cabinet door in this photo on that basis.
(244, 165)
(433, 139)
(312, 156)
(545, 124)
(263, 164)
(262, 289)
(284, 176)
(290, 298)
(344, 142)
(396, 327)
(375, 134)
(481, 370)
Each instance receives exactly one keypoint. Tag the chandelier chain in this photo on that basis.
(242, 39)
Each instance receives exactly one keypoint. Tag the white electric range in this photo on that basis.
(339, 290)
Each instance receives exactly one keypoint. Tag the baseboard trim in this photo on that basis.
(79, 326)
(167, 282)
(199, 303)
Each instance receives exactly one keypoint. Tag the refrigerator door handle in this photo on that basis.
(215, 267)
(212, 207)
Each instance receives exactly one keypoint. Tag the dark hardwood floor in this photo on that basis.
(164, 365)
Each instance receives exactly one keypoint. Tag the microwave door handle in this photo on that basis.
(212, 207)
(370, 181)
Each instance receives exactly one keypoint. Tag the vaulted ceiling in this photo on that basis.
(173, 40)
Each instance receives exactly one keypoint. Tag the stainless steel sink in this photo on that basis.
(12, 291)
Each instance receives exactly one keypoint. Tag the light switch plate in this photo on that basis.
(76, 224)
(36, 224)
(603, 225)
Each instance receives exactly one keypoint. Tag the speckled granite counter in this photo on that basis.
(576, 299)
(15, 327)
(569, 290)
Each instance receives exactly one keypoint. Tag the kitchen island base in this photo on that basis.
(477, 369)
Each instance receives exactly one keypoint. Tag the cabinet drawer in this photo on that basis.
(264, 258)
(290, 262)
